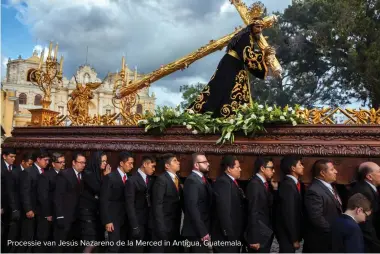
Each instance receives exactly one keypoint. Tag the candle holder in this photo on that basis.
(126, 103)
(46, 77)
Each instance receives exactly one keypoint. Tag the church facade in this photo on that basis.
(23, 95)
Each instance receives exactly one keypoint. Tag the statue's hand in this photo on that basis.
(269, 51)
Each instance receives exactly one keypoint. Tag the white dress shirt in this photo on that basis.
(143, 175)
(39, 168)
(122, 174)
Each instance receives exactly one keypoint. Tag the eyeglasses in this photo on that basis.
(202, 162)
(60, 162)
(81, 162)
(367, 213)
(104, 161)
(269, 167)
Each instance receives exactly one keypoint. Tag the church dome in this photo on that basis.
(34, 57)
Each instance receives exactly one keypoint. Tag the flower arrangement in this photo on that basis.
(247, 119)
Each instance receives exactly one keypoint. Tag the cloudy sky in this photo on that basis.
(148, 32)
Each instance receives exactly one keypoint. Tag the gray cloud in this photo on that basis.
(149, 32)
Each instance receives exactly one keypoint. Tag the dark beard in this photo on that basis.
(257, 36)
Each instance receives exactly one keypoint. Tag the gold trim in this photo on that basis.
(249, 87)
(234, 54)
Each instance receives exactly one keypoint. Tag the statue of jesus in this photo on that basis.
(229, 87)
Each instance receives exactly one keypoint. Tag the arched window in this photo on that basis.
(37, 100)
(139, 109)
(22, 99)
(86, 78)
(31, 76)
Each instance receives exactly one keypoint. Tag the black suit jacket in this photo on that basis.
(228, 210)
(260, 202)
(45, 191)
(8, 201)
(166, 205)
(66, 196)
(289, 206)
(16, 173)
(371, 239)
(197, 207)
(112, 207)
(28, 189)
(138, 200)
(90, 196)
(347, 236)
(321, 209)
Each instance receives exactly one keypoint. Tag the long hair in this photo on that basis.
(237, 37)
(93, 165)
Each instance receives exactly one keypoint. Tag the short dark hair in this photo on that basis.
(288, 162)
(358, 200)
(7, 151)
(148, 158)
(195, 155)
(261, 162)
(78, 154)
(54, 156)
(27, 156)
(320, 165)
(124, 156)
(167, 158)
(362, 172)
(228, 161)
(39, 154)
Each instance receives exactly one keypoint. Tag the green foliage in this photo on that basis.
(330, 53)
(190, 93)
(248, 120)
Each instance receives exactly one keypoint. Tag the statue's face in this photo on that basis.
(257, 29)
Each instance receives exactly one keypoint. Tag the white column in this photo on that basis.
(100, 104)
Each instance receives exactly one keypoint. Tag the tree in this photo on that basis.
(190, 93)
(330, 54)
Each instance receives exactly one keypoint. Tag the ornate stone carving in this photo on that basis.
(308, 140)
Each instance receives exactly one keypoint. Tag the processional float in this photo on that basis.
(126, 91)
(346, 145)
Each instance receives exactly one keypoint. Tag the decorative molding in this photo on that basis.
(305, 140)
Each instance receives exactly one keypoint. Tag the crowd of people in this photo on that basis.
(51, 204)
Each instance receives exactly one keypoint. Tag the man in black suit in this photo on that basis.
(31, 211)
(290, 205)
(112, 201)
(368, 180)
(10, 211)
(68, 188)
(15, 226)
(138, 203)
(45, 190)
(347, 236)
(259, 231)
(229, 208)
(197, 194)
(323, 205)
(166, 205)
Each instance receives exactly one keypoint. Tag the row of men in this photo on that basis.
(81, 202)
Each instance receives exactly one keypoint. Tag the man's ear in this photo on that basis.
(369, 177)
